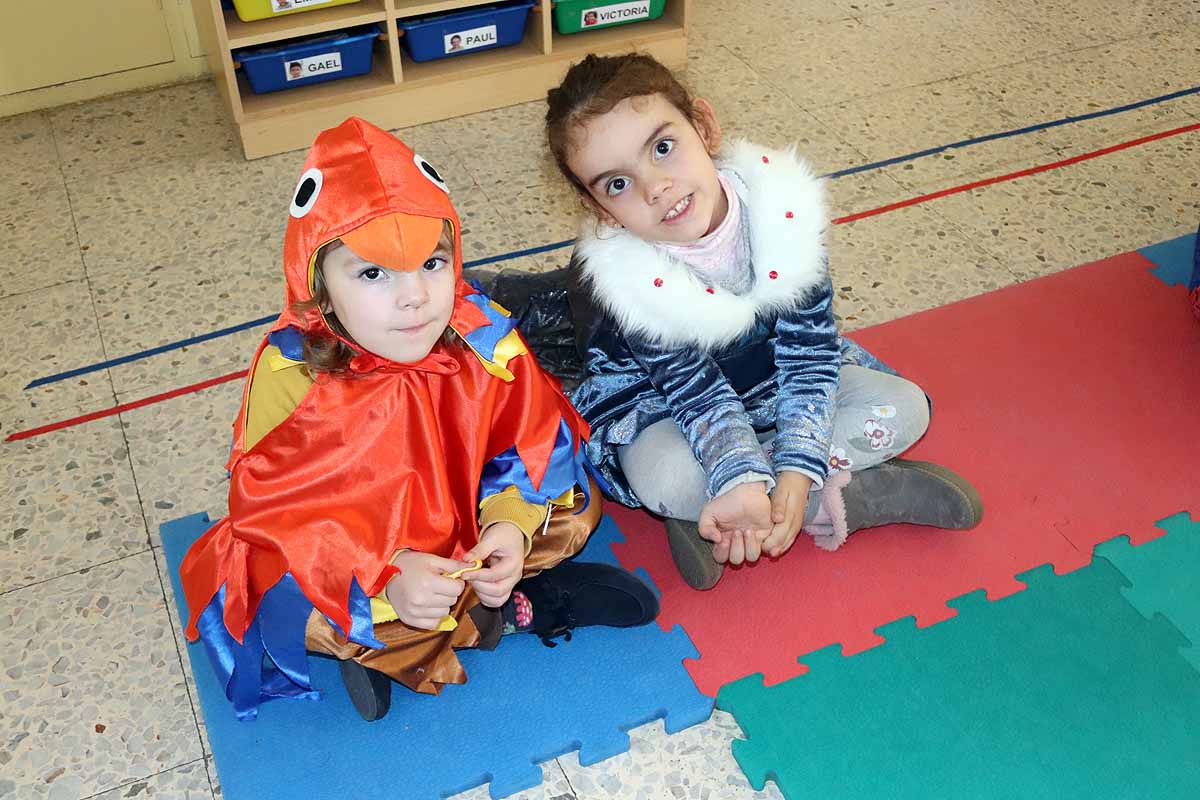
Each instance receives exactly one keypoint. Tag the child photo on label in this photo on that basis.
(614, 14)
(313, 66)
(472, 39)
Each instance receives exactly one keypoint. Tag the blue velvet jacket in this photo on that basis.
(660, 343)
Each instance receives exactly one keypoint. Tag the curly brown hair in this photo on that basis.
(595, 86)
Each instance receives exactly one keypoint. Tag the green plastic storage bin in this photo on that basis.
(575, 16)
(251, 10)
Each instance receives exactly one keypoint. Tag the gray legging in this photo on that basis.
(878, 417)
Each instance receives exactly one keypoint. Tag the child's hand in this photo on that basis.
(502, 548)
(737, 522)
(421, 594)
(788, 502)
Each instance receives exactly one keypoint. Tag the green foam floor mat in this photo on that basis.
(1063, 690)
(1165, 577)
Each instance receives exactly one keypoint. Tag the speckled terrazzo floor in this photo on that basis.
(134, 221)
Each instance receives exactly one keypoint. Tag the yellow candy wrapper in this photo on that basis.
(449, 623)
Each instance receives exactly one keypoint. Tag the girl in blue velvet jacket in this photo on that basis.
(720, 394)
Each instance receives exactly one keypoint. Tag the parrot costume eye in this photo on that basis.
(307, 191)
(431, 173)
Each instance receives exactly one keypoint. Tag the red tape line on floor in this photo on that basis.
(874, 212)
(108, 412)
(1012, 176)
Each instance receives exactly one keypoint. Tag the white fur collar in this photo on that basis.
(786, 208)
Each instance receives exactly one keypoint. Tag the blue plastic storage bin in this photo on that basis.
(288, 65)
(481, 28)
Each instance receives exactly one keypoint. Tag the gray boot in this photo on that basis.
(896, 491)
(693, 555)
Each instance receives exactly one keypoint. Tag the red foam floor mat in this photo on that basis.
(1072, 403)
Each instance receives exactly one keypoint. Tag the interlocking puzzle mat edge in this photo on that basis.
(603, 683)
(1061, 533)
(789, 742)
(1164, 576)
(1172, 259)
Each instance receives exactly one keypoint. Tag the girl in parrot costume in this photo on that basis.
(400, 461)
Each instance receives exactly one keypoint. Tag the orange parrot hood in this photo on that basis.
(366, 187)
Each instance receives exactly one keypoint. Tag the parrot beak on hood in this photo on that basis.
(400, 242)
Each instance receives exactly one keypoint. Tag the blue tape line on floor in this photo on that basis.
(62, 376)
(254, 323)
(887, 162)
(153, 351)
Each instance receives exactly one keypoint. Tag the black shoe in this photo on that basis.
(369, 690)
(576, 594)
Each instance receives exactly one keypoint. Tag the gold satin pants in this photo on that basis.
(424, 660)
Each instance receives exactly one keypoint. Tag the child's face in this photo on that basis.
(650, 170)
(295, 69)
(396, 315)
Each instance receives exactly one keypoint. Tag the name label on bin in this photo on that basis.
(468, 40)
(279, 6)
(608, 15)
(312, 66)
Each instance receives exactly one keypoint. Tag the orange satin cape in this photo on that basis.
(384, 457)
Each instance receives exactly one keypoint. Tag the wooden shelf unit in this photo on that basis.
(398, 91)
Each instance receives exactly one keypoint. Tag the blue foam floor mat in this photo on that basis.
(1173, 259)
(523, 704)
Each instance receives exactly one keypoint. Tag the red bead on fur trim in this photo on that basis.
(658, 281)
(711, 290)
(789, 215)
(772, 274)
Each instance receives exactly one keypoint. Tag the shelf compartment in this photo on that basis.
(377, 81)
(615, 37)
(469, 64)
(290, 26)
(576, 16)
(269, 67)
(537, 26)
(421, 8)
(426, 38)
